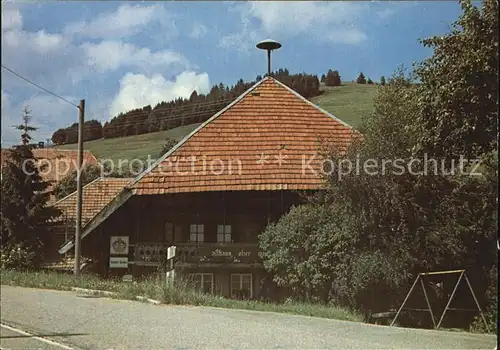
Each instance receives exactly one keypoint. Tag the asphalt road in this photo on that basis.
(100, 323)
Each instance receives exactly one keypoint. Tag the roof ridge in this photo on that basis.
(191, 134)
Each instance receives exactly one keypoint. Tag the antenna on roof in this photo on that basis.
(268, 45)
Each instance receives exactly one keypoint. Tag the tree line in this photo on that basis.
(332, 78)
(181, 111)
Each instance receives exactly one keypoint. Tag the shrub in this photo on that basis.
(17, 256)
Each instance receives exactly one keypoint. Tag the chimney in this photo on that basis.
(268, 45)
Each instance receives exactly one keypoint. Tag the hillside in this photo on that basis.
(130, 147)
(349, 102)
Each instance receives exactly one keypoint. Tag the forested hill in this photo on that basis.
(168, 115)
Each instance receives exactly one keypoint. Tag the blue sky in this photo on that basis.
(123, 55)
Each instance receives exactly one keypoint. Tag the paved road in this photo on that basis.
(101, 323)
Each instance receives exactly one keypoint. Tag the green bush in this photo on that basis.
(17, 256)
(491, 311)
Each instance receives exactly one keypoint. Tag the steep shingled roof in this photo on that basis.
(96, 196)
(240, 148)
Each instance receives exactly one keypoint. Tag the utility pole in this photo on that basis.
(78, 231)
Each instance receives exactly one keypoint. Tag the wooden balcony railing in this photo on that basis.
(193, 253)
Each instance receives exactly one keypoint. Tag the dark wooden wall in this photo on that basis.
(143, 219)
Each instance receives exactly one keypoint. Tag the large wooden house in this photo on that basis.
(215, 192)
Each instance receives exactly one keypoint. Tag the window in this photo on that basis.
(204, 282)
(196, 233)
(241, 286)
(169, 232)
(223, 233)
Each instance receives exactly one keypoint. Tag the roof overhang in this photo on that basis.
(109, 209)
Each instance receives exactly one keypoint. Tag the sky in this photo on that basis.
(124, 55)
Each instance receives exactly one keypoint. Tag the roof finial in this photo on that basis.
(268, 45)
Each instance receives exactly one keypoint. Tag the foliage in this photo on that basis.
(92, 130)
(386, 224)
(369, 81)
(382, 80)
(17, 256)
(25, 128)
(459, 87)
(68, 184)
(491, 311)
(24, 214)
(361, 78)
(306, 85)
(332, 78)
(299, 251)
(167, 146)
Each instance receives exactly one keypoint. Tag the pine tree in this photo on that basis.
(333, 78)
(361, 79)
(382, 80)
(25, 128)
(25, 215)
(369, 81)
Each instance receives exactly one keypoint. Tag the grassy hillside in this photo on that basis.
(349, 102)
(131, 147)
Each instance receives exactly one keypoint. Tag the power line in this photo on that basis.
(38, 86)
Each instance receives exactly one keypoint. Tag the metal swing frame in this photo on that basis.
(420, 276)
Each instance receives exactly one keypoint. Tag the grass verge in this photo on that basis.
(180, 293)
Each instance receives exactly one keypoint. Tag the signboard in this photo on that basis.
(228, 253)
(118, 262)
(171, 252)
(118, 245)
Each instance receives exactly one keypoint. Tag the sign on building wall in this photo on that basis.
(118, 262)
(118, 245)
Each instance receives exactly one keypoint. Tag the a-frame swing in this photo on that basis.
(420, 276)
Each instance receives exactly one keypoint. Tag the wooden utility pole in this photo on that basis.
(78, 231)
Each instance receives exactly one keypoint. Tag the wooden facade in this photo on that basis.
(216, 235)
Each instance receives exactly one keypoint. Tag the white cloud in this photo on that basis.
(198, 31)
(125, 21)
(296, 17)
(325, 21)
(13, 37)
(62, 62)
(8, 133)
(111, 55)
(242, 41)
(138, 90)
(5, 100)
(11, 18)
(347, 36)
